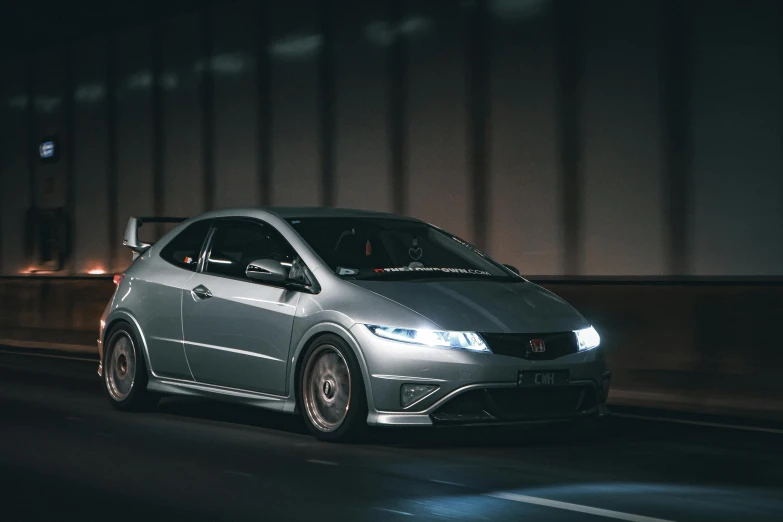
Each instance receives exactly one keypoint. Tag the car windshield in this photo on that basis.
(395, 249)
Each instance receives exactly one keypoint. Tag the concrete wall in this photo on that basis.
(601, 138)
(33, 306)
(707, 347)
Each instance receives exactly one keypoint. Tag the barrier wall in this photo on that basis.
(707, 347)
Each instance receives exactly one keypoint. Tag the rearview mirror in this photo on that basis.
(513, 269)
(267, 270)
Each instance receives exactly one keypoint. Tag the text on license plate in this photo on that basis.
(542, 377)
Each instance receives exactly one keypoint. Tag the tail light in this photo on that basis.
(118, 279)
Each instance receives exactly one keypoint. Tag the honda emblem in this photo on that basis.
(537, 345)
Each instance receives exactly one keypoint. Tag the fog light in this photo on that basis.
(410, 393)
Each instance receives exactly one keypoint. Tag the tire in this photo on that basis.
(125, 374)
(330, 391)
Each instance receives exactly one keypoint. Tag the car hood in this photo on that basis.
(482, 306)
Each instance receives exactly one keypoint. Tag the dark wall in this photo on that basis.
(701, 346)
(594, 138)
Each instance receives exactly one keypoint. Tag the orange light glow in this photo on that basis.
(96, 271)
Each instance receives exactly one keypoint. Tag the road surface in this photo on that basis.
(65, 454)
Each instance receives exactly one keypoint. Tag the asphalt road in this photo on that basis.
(65, 454)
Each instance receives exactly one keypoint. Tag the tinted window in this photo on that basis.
(183, 250)
(385, 249)
(236, 244)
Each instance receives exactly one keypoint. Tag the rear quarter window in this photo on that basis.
(183, 251)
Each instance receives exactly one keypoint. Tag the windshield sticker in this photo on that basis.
(433, 269)
(347, 271)
(415, 251)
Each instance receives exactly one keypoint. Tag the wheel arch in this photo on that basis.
(123, 316)
(310, 337)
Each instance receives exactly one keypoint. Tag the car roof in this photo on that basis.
(326, 212)
(287, 213)
(302, 212)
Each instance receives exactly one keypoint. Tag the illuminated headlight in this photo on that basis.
(587, 338)
(464, 340)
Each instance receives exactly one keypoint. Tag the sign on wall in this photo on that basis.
(49, 149)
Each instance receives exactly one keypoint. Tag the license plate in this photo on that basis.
(535, 378)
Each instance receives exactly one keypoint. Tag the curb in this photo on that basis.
(39, 345)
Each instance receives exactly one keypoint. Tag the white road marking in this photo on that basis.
(395, 511)
(436, 481)
(240, 473)
(630, 517)
(324, 462)
(699, 423)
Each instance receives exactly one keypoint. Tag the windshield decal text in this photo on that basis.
(467, 271)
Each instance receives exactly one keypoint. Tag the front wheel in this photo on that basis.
(124, 371)
(331, 394)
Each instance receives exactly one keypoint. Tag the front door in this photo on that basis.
(237, 331)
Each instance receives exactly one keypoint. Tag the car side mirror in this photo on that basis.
(513, 269)
(267, 270)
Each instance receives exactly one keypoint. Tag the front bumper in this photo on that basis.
(476, 388)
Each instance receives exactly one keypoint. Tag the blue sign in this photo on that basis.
(49, 149)
(46, 149)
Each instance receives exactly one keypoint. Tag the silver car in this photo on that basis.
(351, 318)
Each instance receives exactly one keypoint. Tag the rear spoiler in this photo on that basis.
(132, 232)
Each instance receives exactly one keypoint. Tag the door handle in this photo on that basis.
(201, 291)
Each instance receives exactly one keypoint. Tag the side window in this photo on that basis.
(183, 250)
(236, 244)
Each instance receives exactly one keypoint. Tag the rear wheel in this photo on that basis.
(331, 394)
(125, 372)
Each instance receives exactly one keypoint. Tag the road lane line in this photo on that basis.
(436, 481)
(699, 423)
(240, 473)
(630, 517)
(395, 511)
(324, 462)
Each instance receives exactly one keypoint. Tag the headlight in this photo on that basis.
(587, 338)
(464, 340)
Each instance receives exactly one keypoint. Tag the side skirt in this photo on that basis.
(194, 389)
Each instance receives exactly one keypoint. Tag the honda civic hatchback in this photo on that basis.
(349, 318)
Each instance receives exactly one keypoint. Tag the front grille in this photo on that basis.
(516, 404)
(518, 345)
